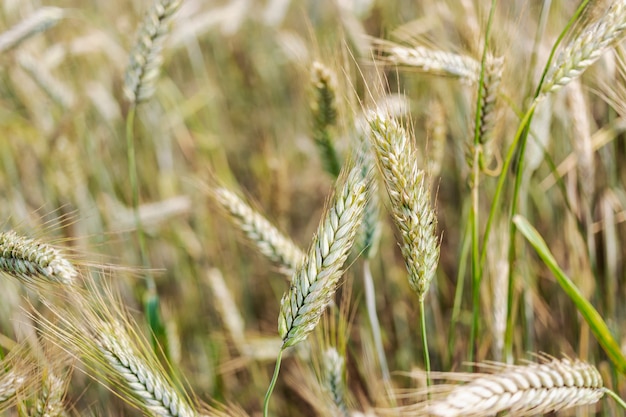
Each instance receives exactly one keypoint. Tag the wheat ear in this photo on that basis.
(537, 388)
(429, 61)
(267, 238)
(334, 368)
(50, 402)
(154, 392)
(316, 278)
(41, 20)
(324, 107)
(410, 200)
(34, 262)
(145, 56)
(586, 48)
(494, 67)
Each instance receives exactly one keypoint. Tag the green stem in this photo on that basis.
(425, 342)
(616, 397)
(474, 212)
(458, 292)
(270, 389)
(134, 186)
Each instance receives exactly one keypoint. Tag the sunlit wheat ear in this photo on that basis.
(316, 278)
(429, 61)
(410, 200)
(324, 108)
(537, 388)
(145, 56)
(34, 262)
(587, 47)
(334, 368)
(270, 242)
(41, 20)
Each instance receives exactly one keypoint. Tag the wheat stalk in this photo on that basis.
(316, 278)
(267, 238)
(145, 56)
(33, 261)
(536, 388)
(41, 20)
(429, 61)
(410, 200)
(586, 48)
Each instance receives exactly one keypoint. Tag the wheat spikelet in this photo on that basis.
(270, 242)
(410, 200)
(145, 56)
(316, 278)
(34, 262)
(334, 366)
(586, 48)
(429, 61)
(41, 20)
(536, 388)
(155, 393)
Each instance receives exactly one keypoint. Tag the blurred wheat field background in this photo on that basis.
(408, 208)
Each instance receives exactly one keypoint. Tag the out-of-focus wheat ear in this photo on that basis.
(50, 401)
(231, 317)
(324, 108)
(316, 279)
(428, 61)
(437, 132)
(536, 388)
(18, 376)
(34, 262)
(582, 142)
(145, 56)
(369, 234)
(494, 67)
(54, 88)
(268, 239)
(334, 369)
(42, 19)
(587, 47)
(408, 191)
